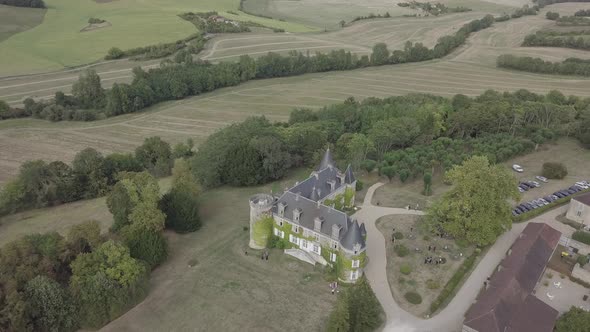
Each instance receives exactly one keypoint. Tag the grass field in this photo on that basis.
(58, 42)
(17, 19)
(326, 14)
(225, 290)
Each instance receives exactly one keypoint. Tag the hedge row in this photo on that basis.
(452, 284)
(581, 236)
(538, 211)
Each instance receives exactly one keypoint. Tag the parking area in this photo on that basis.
(565, 151)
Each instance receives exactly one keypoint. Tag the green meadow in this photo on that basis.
(58, 42)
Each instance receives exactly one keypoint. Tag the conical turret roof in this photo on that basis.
(349, 175)
(353, 236)
(327, 160)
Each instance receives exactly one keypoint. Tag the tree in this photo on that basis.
(84, 237)
(155, 156)
(114, 53)
(552, 16)
(476, 208)
(575, 320)
(554, 170)
(342, 23)
(355, 148)
(365, 312)
(183, 150)
(427, 184)
(89, 172)
(88, 92)
(106, 282)
(380, 55)
(181, 208)
(50, 306)
(128, 193)
(394, 132)
(339, 318)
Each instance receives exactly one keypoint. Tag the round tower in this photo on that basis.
(260, 220)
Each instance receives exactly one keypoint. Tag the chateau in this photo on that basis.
(307, 221)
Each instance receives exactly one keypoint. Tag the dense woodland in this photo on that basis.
(570, 66)
(84, 280)
(403, 137)
(571, 39)
(24, 3)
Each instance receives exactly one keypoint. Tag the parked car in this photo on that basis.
(543, 201)
(534, 184)
(523, 208)
(582, 185)
(571, 191)
(541, 178)
(520, 189)
(517, 168)
(575, 188)
(515, 213)
(524, 187)
(549, 198)
(559, 194)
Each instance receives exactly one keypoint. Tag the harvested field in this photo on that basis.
(199, 116)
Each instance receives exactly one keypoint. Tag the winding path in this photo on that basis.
(450, 318)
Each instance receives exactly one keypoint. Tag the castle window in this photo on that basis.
(354, 275)
(279, 233)
(303, 244)
(281, 223)
(334, 244)
(356, 263)
(333, 257)
(293, 239)
(296, 229)
(317, 237)
(316, 249)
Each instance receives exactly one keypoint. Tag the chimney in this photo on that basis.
(317, 224)
(342, 178)
(282, 207)
(332, 184)
(297, 196)
(318, 204)
(316, 175)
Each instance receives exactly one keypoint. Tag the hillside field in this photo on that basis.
(57, 42)
(16, 19)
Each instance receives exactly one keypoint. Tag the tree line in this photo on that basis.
(41, 184)
(582, 12)
(181, 76)
(558, 39)
(193, 44)
(573, 21)
(405, 137)
(24, 3)
(570, 66)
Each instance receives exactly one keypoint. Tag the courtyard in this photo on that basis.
(409, 269)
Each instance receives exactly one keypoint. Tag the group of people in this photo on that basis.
(334, 287)
(433, 248)
(264, 255)
(430, 260)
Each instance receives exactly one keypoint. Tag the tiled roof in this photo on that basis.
(583, 198)
(504, 305)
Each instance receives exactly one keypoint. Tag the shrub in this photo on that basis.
(582, 260)
(114, 53)
(426, 238)
(432, 284)
(398, 235)
(368, 165)
(554, 170)
(405, 269)
(549, 275)
(401, 250)
(581, 236)
(545, 283)
(413, 297)
(359, 185)
(552, 16)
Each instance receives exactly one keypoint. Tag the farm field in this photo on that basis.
(134, 23)
(482, 48)
(197, 117)
(16, 19)
(326, 14)
(225, 290)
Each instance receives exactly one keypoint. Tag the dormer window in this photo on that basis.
(281, 207)
(297, 214)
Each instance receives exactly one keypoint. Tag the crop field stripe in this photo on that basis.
(163, 129)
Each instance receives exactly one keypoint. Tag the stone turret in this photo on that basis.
(260, 226)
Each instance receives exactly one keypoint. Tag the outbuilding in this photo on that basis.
(579, 209)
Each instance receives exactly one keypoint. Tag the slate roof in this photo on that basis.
(507, 305)
(310, 210)
(584, 198)
(306, 194)
(353, 236)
